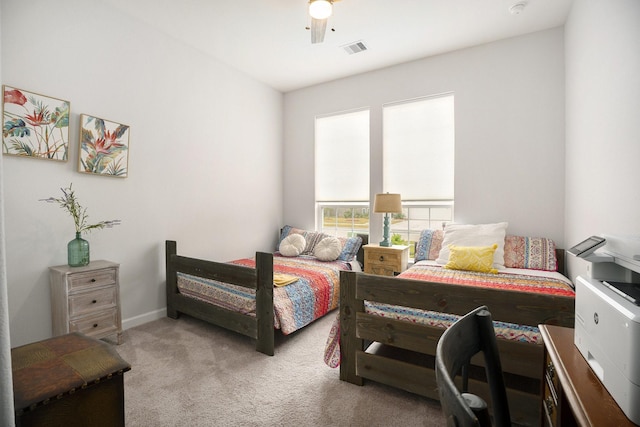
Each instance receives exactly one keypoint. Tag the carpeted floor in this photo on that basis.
(188, 373)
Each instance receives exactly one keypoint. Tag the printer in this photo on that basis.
(607, 325)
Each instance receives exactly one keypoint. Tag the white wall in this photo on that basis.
(205, 164)
(509, 102)
(7, 415)
(603, 120)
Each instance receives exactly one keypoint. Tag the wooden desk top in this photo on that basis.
(591, 403)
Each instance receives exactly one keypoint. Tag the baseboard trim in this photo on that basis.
(144, 318)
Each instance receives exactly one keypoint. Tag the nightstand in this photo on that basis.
(385, 260)
(86, 299)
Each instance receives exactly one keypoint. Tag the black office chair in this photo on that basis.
(471, 334)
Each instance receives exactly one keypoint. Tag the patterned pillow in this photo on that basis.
(429, 244)
(472, 258)
(350, 248)
(535, 253)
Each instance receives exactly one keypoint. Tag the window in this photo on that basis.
(342, 173)
(418, 163)
(344, 219)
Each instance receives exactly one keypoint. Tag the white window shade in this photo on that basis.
(418, 148)
(342, 157)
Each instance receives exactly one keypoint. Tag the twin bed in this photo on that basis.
(257, 296)
(387, 328)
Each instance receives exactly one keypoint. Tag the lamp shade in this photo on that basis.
(320, 9)
(387, 203)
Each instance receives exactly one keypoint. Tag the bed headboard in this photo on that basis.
(560, 261)
(360, 256)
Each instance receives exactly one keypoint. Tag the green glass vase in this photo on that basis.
(78, 252)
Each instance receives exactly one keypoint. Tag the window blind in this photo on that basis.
(418, 148)
(342, 157)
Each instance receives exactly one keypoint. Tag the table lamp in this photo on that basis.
(387, 203)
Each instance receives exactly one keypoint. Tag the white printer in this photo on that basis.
(607, 326)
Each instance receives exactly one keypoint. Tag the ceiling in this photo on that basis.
(267, 39)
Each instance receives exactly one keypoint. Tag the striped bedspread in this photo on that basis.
(314, 294)
(513, 279)
(522, 280)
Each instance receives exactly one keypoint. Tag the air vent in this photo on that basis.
(355, 47)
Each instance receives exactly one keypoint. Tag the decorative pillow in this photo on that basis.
(472, 258)
(474, 235)
(311, 237)
(328, 249)
(287, 230)
(292, 245)
(535, 253)
(429, 244)
(350, 248)
(350, 245)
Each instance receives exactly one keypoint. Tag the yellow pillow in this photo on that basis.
(472, 258)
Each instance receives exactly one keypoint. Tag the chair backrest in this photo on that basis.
(471, 334)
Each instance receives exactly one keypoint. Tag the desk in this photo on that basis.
(571, 392)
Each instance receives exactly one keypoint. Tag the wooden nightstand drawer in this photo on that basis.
(385, 260)
(88, 302)
(381, 270)
(92, 278)
(101, 325)
(383, 257)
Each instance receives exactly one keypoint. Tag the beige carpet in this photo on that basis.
(188, 373)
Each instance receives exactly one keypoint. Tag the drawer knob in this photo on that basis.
(381, 257)
(93, 280)
(549, 404)
(95, 325)
(551, 370)
(94, 301)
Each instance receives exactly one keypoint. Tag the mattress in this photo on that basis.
(514, 279)
(311, 296)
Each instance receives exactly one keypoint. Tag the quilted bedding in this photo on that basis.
(524, 280)
(314, 294)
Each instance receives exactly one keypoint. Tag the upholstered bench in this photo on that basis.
(69, 380)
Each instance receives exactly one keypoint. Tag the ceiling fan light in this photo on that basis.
(320, 9)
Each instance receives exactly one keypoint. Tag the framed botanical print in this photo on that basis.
(104, 147)
(34, 125)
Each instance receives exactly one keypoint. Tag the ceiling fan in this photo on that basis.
(320, 11)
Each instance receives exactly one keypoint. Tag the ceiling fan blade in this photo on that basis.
(318, 28)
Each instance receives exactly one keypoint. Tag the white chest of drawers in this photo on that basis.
(86, 299)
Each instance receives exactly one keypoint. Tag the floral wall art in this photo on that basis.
(104, 147)
(34, 125)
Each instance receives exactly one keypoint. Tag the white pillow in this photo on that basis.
(292, 245)
(474, 235)
(328, 249)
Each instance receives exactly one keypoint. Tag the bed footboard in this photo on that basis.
(402, 354)
(260, 327)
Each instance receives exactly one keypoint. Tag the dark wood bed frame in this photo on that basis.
(259, 327)
(401, 354)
